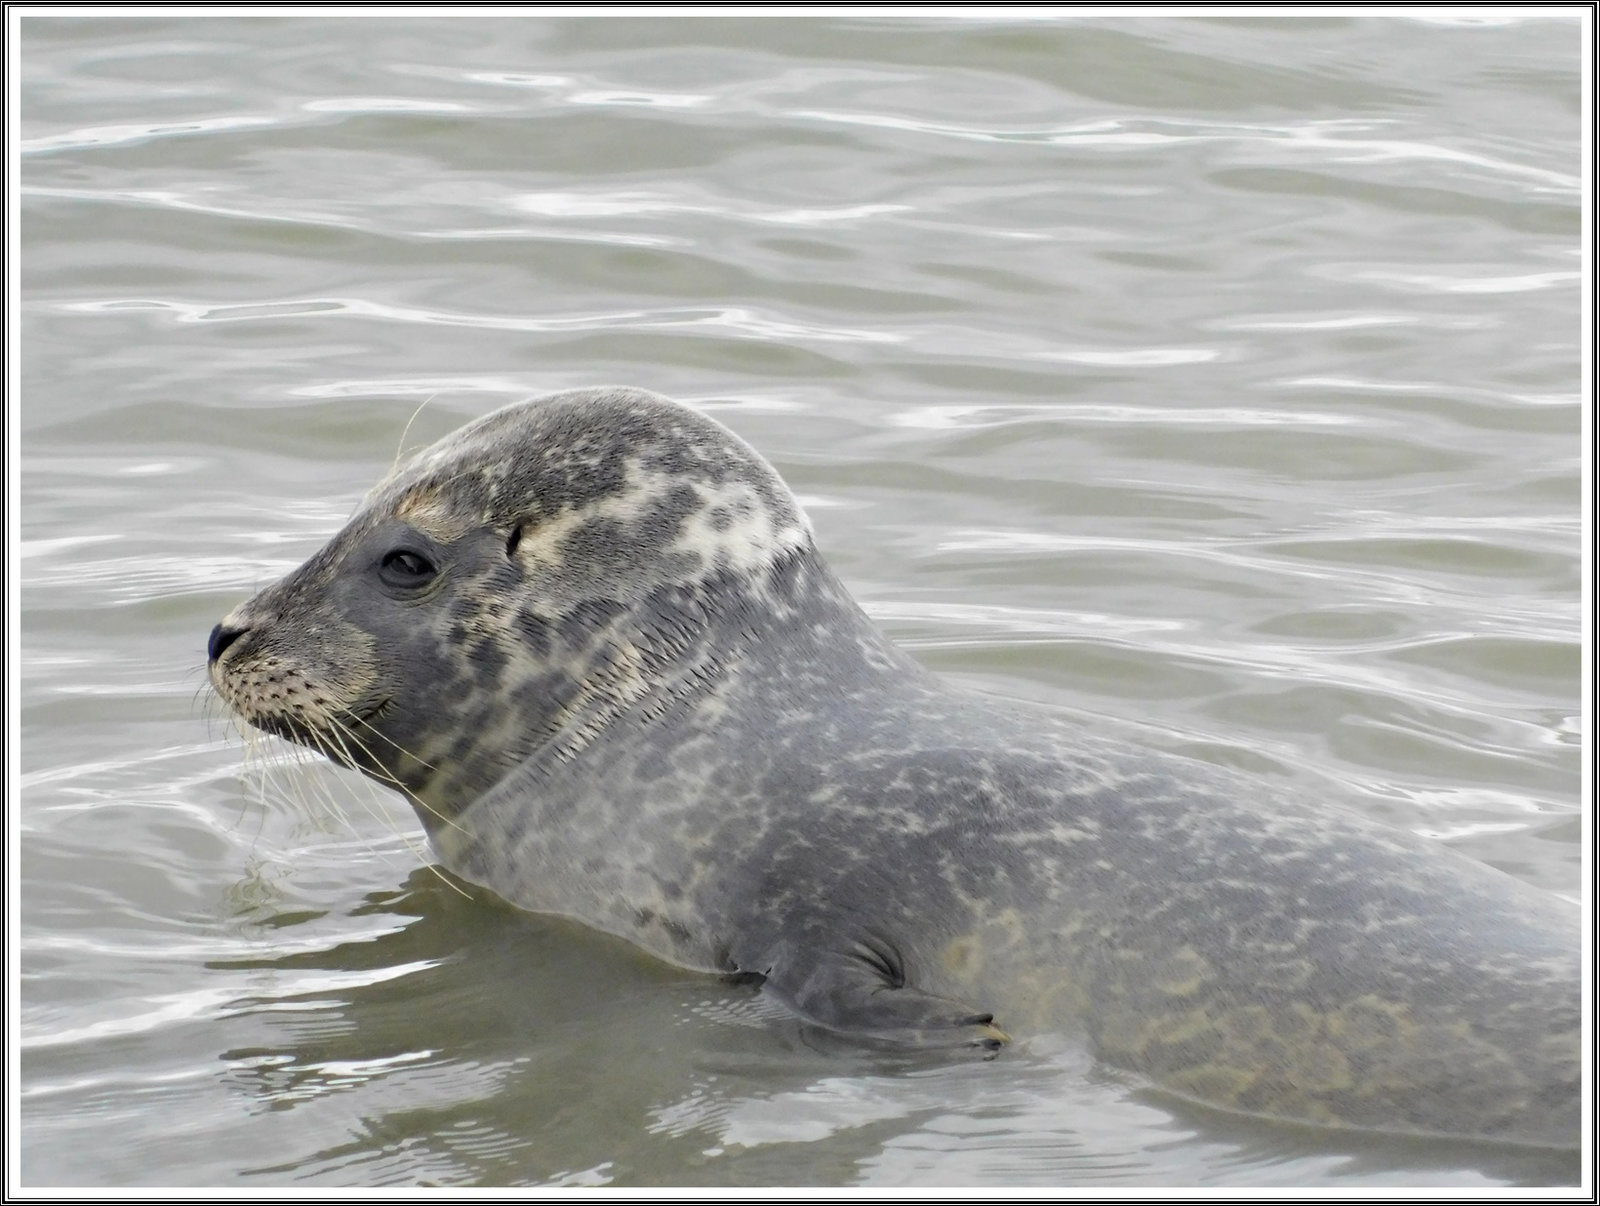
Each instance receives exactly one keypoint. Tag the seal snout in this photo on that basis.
(221, 637)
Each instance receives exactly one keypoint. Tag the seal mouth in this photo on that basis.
(342, 735)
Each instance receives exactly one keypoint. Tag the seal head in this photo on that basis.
(513, 589)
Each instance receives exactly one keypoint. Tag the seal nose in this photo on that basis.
(221, 638)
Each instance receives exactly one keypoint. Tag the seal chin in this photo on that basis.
(337, 734)
(291, 729)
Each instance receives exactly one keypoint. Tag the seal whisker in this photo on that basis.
(345, 724)
(291, 787)
(340, 737)
(400, 445)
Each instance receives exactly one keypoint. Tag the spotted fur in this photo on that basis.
(633, 693)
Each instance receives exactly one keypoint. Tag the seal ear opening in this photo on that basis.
(513, 541)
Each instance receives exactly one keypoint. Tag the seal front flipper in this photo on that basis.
(862, 993)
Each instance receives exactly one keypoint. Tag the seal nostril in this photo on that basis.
(221, 638)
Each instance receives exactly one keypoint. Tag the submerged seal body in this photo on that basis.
(591, 639)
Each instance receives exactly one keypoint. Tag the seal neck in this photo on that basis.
(670, 652)
(684, 659)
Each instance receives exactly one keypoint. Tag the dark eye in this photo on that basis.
(407, 568)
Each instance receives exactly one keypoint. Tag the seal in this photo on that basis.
(591, 639)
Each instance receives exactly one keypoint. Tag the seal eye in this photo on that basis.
(407, 569)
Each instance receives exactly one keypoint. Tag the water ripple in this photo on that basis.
(384, 104)
(209, 1004)
(739, 320)
(1133, 357)
(1332, 141)
(1433, 282)
(990, 415)
(102, 136)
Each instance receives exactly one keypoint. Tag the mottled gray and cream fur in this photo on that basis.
(591, 639)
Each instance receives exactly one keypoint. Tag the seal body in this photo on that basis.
(592, 641)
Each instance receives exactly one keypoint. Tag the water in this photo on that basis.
(1213, 379)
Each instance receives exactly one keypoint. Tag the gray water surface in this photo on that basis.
(1213, 380)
